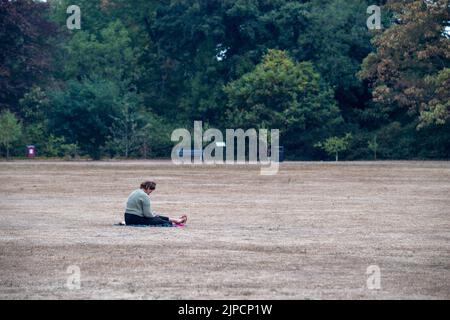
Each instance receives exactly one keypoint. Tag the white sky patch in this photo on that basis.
(447, 31)
(221, 52)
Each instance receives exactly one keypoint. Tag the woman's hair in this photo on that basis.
(148, 185)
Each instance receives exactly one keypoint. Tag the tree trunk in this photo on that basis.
(337, 157)
(127, 140)
(144, 149)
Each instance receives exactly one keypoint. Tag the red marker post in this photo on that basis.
(31, 151)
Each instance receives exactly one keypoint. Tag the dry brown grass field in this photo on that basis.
(309, 232)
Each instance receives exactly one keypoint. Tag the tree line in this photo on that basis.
(137, 70)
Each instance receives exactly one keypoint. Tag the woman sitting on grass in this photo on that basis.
(138, 211)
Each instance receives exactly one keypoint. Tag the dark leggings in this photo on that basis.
(134, 220)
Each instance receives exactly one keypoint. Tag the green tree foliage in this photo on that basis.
(280, 93)
(10, 130)
(437, 109)
(100, 102)
(154, 136)
(373, 146)
(84, 112)
(33, 107)
(334, 145)
(57, 147)
(124, 132)
(333, 35)
(110, 55)
(25, 37)
(409, 70)
(138, 69)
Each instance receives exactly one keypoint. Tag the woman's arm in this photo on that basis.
(146, 208)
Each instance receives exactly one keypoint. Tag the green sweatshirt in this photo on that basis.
(138, 203)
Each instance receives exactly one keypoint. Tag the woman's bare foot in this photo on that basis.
(180, 220)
